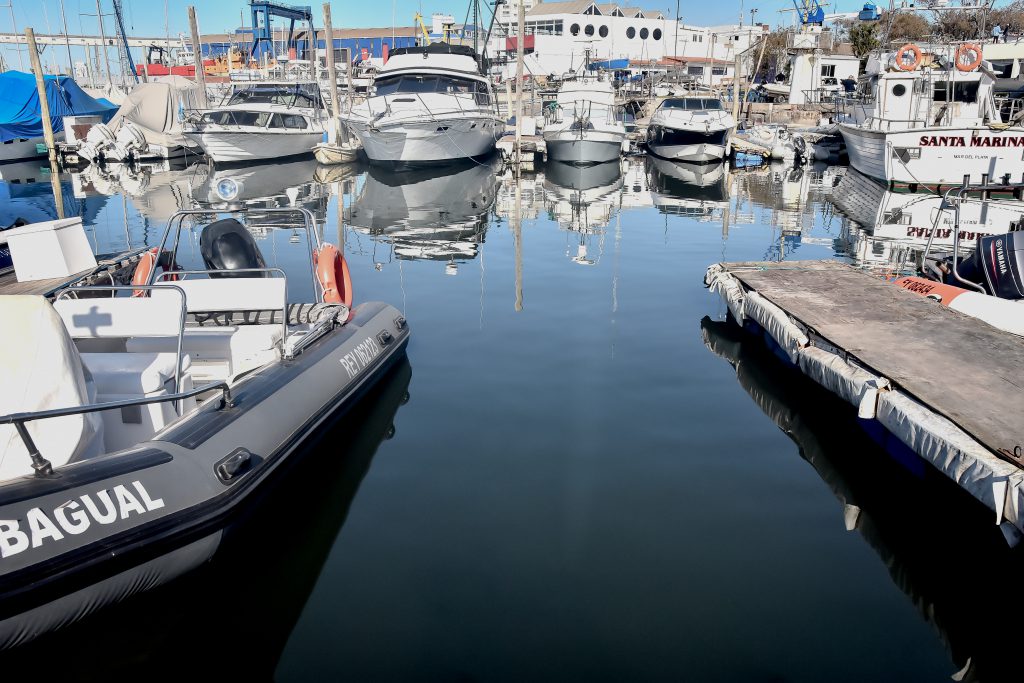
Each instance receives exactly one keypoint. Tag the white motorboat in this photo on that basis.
(266, 120)
(931, 124)
(585, 126)
(691, 129)
(428, 104)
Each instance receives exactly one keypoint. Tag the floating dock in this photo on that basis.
(111, 269)
(946, 385)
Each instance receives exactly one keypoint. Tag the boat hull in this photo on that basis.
(688, 145)
(109, 515)
(233, 146)
(590, 148)
(935, 156)
(428, 141)
(18, 150)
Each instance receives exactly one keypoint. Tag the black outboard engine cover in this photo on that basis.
(1000, 258)
(227, 246)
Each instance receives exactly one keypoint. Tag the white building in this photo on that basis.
(561, 35)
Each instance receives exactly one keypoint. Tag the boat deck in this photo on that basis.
(960, 367)
(105, 263)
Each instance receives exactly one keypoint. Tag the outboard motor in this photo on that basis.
(97, 141)
(997, 264)
(130, 143)
(227, 246)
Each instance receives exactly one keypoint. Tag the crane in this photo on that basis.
(423, 27)
(809, 12)
(261, 33)
(125, 55)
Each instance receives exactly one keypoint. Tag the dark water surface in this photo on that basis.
(594, 477)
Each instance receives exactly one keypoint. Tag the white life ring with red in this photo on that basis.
(332, 269)
(901, 62)
(961, 54)
(144, 268)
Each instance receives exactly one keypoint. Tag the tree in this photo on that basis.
(1011, 17)
(909, 28)
(959, 25)
(864, 38)
(774, 54)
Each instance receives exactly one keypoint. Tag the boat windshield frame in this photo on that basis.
(280, 94)
(698, 104)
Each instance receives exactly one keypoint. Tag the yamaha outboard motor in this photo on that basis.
(227, 246)
(997, 264)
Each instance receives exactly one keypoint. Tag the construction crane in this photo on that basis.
(423, 27)
(261, 33)
(125, 55)
(809, 12)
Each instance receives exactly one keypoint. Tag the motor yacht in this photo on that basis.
(428, 104)
(261, 120)
(696, 129)
(584, 126)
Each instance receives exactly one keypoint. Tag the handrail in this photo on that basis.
(44, 468)
(122, 288)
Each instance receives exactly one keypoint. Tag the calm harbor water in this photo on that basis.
(582, 473)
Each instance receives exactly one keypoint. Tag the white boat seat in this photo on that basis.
(241, 347)
(231, 293)
(121, 317)
(42, 370)
(134, 373)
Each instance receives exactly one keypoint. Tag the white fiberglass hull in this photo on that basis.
(697, 153)
(229, 146)
(593, 147)
(936, 156)
(17, 150)
(425, 141)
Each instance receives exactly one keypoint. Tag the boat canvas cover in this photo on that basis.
(157, 109)
(20, 115)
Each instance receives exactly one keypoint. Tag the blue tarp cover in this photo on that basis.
(609, 64)
(19, 104)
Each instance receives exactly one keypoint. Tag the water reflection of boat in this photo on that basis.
(890, 228)
(303, 514)
(428, 213)
(271, 185)
(582, 199)
(26, 196)
(687, 188)
(882, 500)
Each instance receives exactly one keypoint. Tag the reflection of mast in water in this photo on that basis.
(883, 500)
(581, 199)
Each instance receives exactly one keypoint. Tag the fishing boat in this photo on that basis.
(584, 126)
(428, 104)
(136, 418)
(695, 129)
(261, 120)
(931, 119)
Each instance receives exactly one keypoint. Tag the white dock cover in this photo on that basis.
(41, 370)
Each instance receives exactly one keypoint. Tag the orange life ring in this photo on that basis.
(144, 268)
(962, 51)
(332, 268)
(930, 289)
(902, 64)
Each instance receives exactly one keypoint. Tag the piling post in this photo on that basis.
(197, 52)
(736, 76)
(520, 36)
(332, 73)
(44, 104)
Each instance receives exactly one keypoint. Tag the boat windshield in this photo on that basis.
(232, 117)
(299, 95)
(693, 103)
(424, 83)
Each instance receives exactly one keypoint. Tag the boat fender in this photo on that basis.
(332, 268)
(909, 50)
(930, 289)
(968, 57)
(144, 269)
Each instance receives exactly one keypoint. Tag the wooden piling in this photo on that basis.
(44, 104)
(332, 73)
(520, 38)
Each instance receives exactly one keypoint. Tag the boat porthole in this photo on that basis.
(899, 90)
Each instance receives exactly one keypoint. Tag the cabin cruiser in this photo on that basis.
(135, 417)
(261, 120)
(932, 120)
(428, 104)
(696, 129)
(584, 126)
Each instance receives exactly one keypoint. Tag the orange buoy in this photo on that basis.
(930, 289)
(901, 57)
(143, 269)
(332, 268)
(965, 52)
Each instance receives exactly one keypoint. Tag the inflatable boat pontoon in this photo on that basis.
(133, 420)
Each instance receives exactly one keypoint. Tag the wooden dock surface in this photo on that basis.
(960, 367)
(9, 283)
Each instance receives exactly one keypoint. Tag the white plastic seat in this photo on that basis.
(133, 373)
(42, 370)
